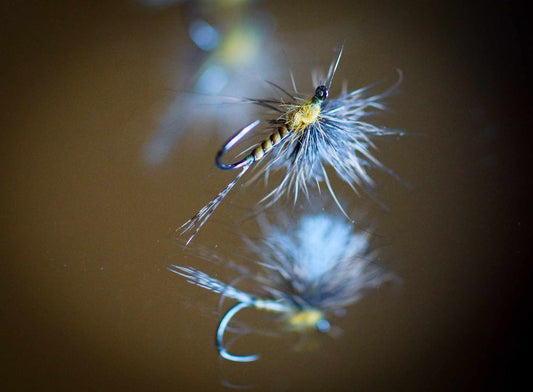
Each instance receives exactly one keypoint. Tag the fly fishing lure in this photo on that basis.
(305, 273)
(306, 136)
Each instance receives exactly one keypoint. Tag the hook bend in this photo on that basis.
(232, 142)
(220, 335)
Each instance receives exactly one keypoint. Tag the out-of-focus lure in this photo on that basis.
(305, 272)
(308, 135)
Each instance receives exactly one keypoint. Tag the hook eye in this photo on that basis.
(323, 325)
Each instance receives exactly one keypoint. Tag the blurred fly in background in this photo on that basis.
(304, 271)
(228, 39)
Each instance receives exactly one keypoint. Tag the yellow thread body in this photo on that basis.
(269, 143)
(297, 119)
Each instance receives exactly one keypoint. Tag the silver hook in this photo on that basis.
(230, 143)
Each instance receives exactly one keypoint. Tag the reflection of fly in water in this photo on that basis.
(306, 272)
(306, 136)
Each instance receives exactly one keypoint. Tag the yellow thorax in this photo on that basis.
(305, 319)
(301, 116)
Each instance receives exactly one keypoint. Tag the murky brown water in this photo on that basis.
(86, 224)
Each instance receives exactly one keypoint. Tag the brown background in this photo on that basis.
(87, 302)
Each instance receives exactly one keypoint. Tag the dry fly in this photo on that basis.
(307, 271)
(307, 135)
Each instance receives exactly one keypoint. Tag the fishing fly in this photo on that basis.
(307, 135)
(306, 271)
